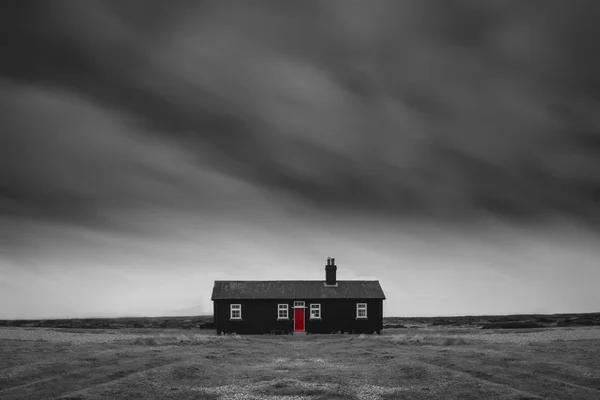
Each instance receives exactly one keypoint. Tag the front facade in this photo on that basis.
(259, 307)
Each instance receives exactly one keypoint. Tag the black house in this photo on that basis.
(255, 307)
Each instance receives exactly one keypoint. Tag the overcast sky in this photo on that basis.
(449, 149)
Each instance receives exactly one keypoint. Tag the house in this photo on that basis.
(316, 306)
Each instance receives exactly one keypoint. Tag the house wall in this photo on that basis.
(260, 316)
(340, 315)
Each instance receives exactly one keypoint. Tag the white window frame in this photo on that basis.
(298, 304)
(283, 307)
(361, 307)
(233, 308)
(315, 307)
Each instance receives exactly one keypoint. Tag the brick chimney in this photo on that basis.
(330, 270)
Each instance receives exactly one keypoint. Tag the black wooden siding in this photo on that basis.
(260, 316)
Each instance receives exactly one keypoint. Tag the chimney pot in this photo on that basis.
(330, 272)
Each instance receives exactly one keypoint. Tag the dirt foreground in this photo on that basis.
(43, 363)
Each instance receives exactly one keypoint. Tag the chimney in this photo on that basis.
(330, 271)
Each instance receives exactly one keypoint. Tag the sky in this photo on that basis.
(447, 148)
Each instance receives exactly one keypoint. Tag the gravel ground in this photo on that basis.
(300, 363)
(251, 391)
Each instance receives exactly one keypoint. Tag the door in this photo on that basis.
(299, 319)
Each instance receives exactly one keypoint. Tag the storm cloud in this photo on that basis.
(438, 109)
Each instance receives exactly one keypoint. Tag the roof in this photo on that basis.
(296, 290)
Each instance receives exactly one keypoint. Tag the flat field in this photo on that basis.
(412, 363)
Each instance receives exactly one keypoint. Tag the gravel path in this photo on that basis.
(251, 390)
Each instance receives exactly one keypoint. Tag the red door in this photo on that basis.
(299, 319)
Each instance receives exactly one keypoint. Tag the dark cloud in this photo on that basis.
(439, 109)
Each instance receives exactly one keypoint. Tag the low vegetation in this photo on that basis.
(196, 322)
(512, 325)
(182, 339)
(497, 321)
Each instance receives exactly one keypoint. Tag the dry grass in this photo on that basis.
(402, 363)
(425, 340)
(183, 339)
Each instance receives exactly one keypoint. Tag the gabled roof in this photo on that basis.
(296, 290)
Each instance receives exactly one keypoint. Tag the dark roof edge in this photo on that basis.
(301, 280)
(295, 298)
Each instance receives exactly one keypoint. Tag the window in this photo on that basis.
(298, 304)
(315, 311)
(235, 311)
(282, 311)
(361, 310)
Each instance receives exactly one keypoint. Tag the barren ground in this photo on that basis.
(448, 363)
